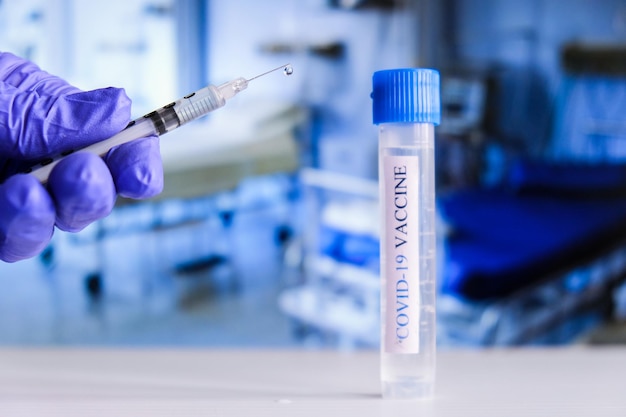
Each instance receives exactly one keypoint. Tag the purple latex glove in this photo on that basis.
(42, 115)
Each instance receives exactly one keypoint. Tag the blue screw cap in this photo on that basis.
(406, 95)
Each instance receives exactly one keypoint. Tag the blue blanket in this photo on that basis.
(504, 241)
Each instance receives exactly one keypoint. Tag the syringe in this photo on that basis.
(163, 120)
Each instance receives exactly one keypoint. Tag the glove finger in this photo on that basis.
(136, 168)
(26, 218)
(42, 126)
(83, 191)
(26, 76)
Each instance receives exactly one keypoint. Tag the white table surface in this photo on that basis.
(164, 382)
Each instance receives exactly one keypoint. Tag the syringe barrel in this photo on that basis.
(186, 109)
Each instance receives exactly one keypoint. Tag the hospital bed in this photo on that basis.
(519, 266)
(332, 285)
(536, 258)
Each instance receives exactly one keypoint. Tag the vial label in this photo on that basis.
(402, 292)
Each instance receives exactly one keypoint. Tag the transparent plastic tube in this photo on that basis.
(407, 194)
(406, 108)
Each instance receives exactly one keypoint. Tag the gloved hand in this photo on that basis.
(41, 116)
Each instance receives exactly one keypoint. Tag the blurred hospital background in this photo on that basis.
(266, 234)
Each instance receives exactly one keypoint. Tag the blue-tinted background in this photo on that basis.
(266, 234)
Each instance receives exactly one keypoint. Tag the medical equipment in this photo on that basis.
(163, 120)
(406, 108)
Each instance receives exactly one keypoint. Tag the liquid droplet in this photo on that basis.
(288, 70)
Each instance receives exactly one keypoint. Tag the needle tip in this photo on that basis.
(287, 69)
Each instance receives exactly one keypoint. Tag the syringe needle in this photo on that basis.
(287, 68)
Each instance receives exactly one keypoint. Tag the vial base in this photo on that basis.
(408, 376)
(408, 389)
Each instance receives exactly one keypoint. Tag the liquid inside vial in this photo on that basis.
(288, 70)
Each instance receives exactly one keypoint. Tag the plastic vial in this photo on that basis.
(406, 109)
